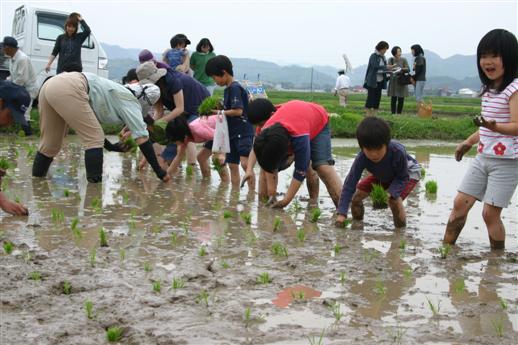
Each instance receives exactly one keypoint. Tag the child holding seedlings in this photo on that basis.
(235, 106)
(302, 128)
(388, 164)
(493, 175)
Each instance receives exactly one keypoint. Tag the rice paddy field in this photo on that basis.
(137, 261)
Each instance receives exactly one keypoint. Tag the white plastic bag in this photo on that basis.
(221, 143)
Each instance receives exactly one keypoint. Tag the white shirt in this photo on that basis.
(22, 73)
(342, 82)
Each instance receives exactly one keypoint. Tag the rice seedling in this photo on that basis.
(202, 251)
(92, 257)
(423, 173)
(264, 278)
(407, 273)
(96, 205)
(402, 244)
(317, 341)
(278, 249)
(276, 223)
(249, 319)
(298, 295)
(67, 288)
(210, 104)
(342, 278)
(27, 256)
(156, 229)
(459, 286)
(189, 170)
(177, 283)
(227, 214)
(225, 264)
(147, 267)
(251, 238)
(315, 215)
(17, 199)
(66, 193)
(379, 287)
(216, 165)
(247, 217)
(125, 197)
(301, 235)
(431, 187)
(157, 287)
(73, 226)
(57, 215)
(89, 308)
(444, 250)
(113, 334)
(337, 248)
(296, 207)
(335, 309)
(503, 303)
(132, 144)
(8, 247)
(4, 164)
(174, 239)
(369, 255)
(498, 327)
(378, 196)
(203, 297)
(122, 255)
(434, 308)
(185, 228)
(396, 334)
(35, 276)
(102, 238)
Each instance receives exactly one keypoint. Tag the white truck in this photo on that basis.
(36, 31)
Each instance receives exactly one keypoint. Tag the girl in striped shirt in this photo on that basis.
(493, 175)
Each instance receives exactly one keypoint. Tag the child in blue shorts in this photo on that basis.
(235, 106)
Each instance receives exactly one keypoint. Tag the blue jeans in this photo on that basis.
(419, 90)
(321, 149)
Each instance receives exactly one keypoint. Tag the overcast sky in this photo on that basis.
(290, 32)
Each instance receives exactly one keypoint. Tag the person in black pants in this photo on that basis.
(375, 78)
(396, 90)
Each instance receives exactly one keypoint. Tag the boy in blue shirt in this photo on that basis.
(388, 164)
(235, 106)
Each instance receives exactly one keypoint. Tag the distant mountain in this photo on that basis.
(455, 72)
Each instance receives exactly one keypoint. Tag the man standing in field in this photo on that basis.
(343, 83)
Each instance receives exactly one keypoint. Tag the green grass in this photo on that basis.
(113, 334)
(379, 196)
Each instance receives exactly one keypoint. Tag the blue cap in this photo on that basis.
(16, 98)
(10, 42)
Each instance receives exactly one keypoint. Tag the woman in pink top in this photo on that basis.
(493, 175)
(182, 132)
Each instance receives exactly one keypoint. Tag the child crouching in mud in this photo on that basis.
(388, 164)
(493, 175)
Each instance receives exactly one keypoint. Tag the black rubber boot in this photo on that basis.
(94, 165)
(41, 165)
(27, 129)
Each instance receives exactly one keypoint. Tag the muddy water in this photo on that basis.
(380, 282)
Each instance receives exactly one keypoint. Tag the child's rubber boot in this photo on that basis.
(94, 165)
(41, 165)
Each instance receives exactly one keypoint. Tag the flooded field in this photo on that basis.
(193, 262)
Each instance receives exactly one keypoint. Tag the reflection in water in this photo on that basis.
(294, 293)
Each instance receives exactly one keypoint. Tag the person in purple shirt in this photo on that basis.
(388, 164)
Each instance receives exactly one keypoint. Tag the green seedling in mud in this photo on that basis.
(73, 227)
(174, 239)
(66, 193)
(97, 205)
(156, 229)
(251, 238)
(147, 267)
(210, 104)
(92, 257)
(278, 249)
(203, 296)
(296, 207)
(342, 278)
(459, 286)
(444, 250)
(17, 199)
(157, 287)
(498, 326)
(402, 244)
(157, 132)
(407, 273)
(131, 144)
(431, 187)
(227, 214)
(225, 264)
(298, 296)
(57, 216)
(67, 288)
(369, 255)
(264, 278)
(434, 308)
(337, 248)
(396, 334)
(315, 215)
(276, 223)
(317, 341)
(216, 165)
(378, 196)
(27, 256)
(301, 235)
(249, 319)
(379, 287)
(185, 228)
(8, 247)
(503, 303)
(202, 251)
(89, 307)
(35, 276)
(423, 173)
(177, 283)
(102, 238)
(189, 171)
(113, 334)
(4, 164)
(247, 217)
(125, 197)
(335, 309)
(122, 255)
